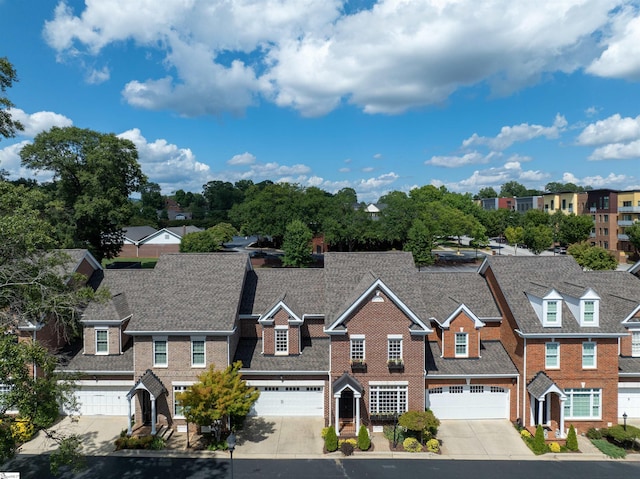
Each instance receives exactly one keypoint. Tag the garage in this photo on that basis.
(469, 402)
(282, 398)
(103, 400)
(629, 400)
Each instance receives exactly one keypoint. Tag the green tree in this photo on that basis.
(424, 423)
(633, 232)
(593, 258)
(331, 440)
(8, 75)
(515, 236)
(94, 175)
(535, 217)
(209, 240)
(420, 243)
(572, 439)
(488, 192)
(538, 238)
(513, 188)
(151, 196)
(218, 396)
(364, 441)
(574, 228)
(539, 444)
(297, 244)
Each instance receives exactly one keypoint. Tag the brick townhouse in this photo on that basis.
(534, 339)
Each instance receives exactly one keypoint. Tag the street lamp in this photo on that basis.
(231, 445)
(395, 426)
(624, 417)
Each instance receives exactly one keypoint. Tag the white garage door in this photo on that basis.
(289, 400)
(629, 401)
(469, 402)
(103, 400)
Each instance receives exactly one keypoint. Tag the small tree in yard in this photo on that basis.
(364, 441)
(218, 396)
(331, 440)
(572, 439)
(539, 444)
(422, 422)
(297, 244)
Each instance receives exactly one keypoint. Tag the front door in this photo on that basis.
(146, 406)
(346, 406)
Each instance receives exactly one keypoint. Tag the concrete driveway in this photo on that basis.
(97, 433)
(481, 439)
(280, 437)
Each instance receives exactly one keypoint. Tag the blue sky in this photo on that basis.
(377, 96)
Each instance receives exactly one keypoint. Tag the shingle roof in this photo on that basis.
(627, 365)
(89, 364)
(314, 357)
(151, 383)
(516, 276)
(136, 233)
(182, 230)
(541, 384)
(494, 360)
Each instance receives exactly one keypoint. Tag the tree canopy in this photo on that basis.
(209, 240)
(8, 75)
(593, 258)
(633, 232)
(94, 175)
(297, 244)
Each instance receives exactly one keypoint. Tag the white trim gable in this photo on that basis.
(631, 318)
(155, 238)
(377, 285)
(542, 310)
(269, 317)
(462, 308)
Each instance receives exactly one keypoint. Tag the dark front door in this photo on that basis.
(346, 406)
(146, 406)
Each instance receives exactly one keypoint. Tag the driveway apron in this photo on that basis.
(481, 439)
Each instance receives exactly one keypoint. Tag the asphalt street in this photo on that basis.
(110, 467)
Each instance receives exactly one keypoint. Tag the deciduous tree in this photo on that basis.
(8, 75)
(538, 238)
(633, 232)
(297, 244)
(574, 228)
(420, 243)
(593, 258)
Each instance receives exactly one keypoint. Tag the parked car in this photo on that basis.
(560, 250)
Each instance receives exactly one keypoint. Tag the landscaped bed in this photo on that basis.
(616, 441)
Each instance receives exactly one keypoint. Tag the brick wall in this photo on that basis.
(461, 324)
(376, 320)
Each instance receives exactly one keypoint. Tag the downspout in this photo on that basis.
(35, 367)
(524, 383)
(329, 386)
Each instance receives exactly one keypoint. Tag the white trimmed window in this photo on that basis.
(394, 348)
(357, 348)
(589, 355)
(102, 341)
(635, 343)
(388, 399)
(160, 354)
(552, 313)
(282, 340)
(198, 357)
(589, 312)
(583, 404)
(552, 355)
(462, 345)
(178, 410)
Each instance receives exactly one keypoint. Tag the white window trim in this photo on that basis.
(358, 337)
(595, 355)
(101, 353)
(203, 339)
(545, 316)
(275, 340)
(375, 405)
(596, 312)
(546, 364)
(594, 392)
(636, 334)
(395, 337)
(185, 386)
(166, 341)
(466, 345)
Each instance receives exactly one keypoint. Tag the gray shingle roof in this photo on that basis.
(314, 357)
(494, 360)
(90, 364)
(627, 365)
(540, 385)
(136, 233)
(182, 230)
(618, 290)
(151, 383)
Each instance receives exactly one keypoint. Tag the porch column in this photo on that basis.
(337, 417)
(129, 430)
(548, 411)
(562, 400)
(357, 400)
(153, 415)
(540, 405)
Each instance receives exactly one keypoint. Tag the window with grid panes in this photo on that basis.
(178, 410)
(388, 399)
(588, 354)
(102, 341)
(462, 344)
(589, 311)
(394, 349)
(282, 341)
(357, 349)
(197, 352)
(635, 343)
(582, 403)
(160, 352)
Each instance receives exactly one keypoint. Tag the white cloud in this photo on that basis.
(472, 158)
(10, 161)
(168, 165)
(617, 151)
(95, 77)
(614, 129)
(344, 170)
(496, 177)
(310, 55)
(621, 43)
(39, 121)
(368, 169)
(597, 181)
(378, 156)
(245, 158)
(516, 134)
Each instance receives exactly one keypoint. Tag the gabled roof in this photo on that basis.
(183, 230)
(635, 269)
(136, 233)
(346, 381)
(542, 384)
(149, 382)
(493, 361)
(618, 291)
(462, 308)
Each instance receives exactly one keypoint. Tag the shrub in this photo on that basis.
(572, 439)
(323, 433)
(539, 446)
(554, 447)
(594, 433)
(401, 434)
(433, 445)
(525, 434)
(22, 430)
(364, 441)
(609, 449)
(144, 442)
(622, 438)
(347, 448)
(411, 444)
(331, 440)
(424, 423)
(351, 441)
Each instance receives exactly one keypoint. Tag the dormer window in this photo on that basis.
(589, 309)
(552, 312)
(282, 340)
